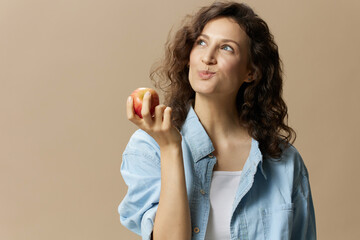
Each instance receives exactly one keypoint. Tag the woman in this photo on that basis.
(216, 161)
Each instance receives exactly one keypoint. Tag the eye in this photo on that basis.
(227, 48)
(200, 42)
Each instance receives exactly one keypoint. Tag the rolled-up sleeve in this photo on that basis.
(140, 169)
(304, 226)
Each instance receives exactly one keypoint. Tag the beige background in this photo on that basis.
(67, 67)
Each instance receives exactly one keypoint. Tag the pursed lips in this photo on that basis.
(205, 74)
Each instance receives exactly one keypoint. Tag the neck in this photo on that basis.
(219, 117)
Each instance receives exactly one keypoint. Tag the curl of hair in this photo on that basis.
(261, 108)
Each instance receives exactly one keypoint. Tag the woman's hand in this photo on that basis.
(169, 221)
(159, 126)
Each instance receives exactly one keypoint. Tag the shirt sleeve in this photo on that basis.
(304, 227)
(140, 169)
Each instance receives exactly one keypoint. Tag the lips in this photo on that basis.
(205, 75)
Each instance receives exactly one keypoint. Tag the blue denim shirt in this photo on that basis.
(273, 199)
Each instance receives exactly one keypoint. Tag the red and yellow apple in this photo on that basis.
(138, 96)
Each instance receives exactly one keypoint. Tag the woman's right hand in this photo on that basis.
(159, 126)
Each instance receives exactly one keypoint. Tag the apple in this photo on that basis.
(138, 95)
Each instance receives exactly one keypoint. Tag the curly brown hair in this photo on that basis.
(260, 105)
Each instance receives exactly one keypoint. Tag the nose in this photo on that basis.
(209, 57)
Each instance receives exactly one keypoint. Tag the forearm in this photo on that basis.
(172, 219)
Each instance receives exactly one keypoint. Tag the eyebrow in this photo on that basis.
(223, 40)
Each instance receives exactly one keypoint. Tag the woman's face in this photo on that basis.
(219, 58)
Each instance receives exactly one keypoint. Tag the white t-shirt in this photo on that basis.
(223, 189)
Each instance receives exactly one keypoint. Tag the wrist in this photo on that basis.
(172, 148)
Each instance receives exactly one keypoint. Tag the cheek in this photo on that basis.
(192, 57)
(238, 67)
(230, 67)
(192, 64)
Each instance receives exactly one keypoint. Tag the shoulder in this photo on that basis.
(290, 163)
(142, 144)
(292, 157)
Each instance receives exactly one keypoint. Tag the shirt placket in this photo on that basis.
(202, 194)
(238, 223)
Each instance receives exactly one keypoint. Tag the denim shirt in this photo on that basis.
(273, 200)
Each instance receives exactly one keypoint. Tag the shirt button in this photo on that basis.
(202, 191)
(210, 155)
(196, 230)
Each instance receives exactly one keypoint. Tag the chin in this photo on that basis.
(203, 86)
(204, 90)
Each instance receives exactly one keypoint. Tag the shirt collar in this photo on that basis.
(200, 143)
(196, 137)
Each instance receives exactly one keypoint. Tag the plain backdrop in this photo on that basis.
(67, 67)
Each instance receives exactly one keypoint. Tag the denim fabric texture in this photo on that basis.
(273, 199)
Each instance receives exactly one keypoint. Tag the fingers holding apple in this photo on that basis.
(144, 110)
(147, 111)
(145, 107)
(130, 113)
(159, 113)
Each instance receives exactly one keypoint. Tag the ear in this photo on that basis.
(250, 76)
